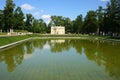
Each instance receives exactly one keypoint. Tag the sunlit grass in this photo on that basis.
(11, 39)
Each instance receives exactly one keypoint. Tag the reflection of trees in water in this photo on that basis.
(39, 43)
(103, 53)
(107, 54)
(59, 47)
(110, 54)
(14, 56)
(29, 47)
(77, 45)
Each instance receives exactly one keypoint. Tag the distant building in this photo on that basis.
(57, 30)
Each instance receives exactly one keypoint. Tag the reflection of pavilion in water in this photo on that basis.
(57, 41)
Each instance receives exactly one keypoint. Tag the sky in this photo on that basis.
(66, 8)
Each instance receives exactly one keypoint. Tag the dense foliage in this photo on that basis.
(18, 19)
(8, 15)
(103, 21)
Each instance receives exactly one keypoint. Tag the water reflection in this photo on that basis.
(12, 57)
(57, 41)
(15, 55)
(105, 54)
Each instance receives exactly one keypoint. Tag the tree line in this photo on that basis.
(103, 21)
(13, 18)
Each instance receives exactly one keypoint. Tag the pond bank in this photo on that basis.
(14, 43)
(23, 40)
(10, 41)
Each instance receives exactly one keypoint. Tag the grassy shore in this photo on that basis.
(11, 39)
(4, 40)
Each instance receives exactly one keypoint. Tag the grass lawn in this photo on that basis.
(11, 39)
(3, 33)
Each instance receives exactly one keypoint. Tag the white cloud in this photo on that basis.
(36, 13)
(27, 7)
(104, 0)
(46, 18)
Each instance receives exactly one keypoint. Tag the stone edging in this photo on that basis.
(114, 40)
(8, 45)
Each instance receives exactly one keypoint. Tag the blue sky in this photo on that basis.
(67, 8)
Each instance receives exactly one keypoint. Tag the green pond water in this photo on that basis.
(61, 59)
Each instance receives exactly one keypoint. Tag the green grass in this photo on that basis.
(11, 39)
(3, 33)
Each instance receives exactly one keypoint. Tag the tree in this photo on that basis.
(19, 19)
(112, 18)
(43, 26)
(36, 27)
(61, 21)
(100, 17)
(78, 24)
(57, 21)
(90, 23)
(49, 27)
(110, 14)
(68, 25)
(39, 26)
(29, 22)
(1, 20)
(8, 15)
(115, 6)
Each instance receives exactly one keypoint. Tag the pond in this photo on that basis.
(61, 59)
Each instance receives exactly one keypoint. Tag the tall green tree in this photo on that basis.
(39, 26)
(29, 22)
(1, 20)
(43, 26)
(90, 22)
(112, 18)
(100, 17)
(115, 6)
(49, 27)
(68, 25)
(19, 19)
(57, 20)
(36, 27)
(9, 15)
(78, 24)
